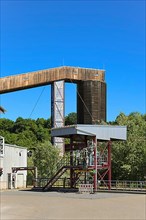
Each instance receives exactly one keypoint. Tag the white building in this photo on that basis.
(12, 156)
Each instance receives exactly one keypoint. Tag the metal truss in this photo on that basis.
(104, 164)
(57, 111)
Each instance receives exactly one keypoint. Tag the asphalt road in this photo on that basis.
(29, 205)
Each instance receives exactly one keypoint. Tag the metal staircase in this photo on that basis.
(63, 165)
(50, 183)
(61, 168)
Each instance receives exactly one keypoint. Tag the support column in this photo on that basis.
(57, 111)
(109, 165)
(85, 177)
(71, 163)
(35, 176)
(95, 164)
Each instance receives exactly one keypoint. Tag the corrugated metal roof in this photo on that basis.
(102, 132)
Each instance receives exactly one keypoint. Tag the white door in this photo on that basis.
(20, 180)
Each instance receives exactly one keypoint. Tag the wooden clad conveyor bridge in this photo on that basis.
(48, 76)
(91, 93)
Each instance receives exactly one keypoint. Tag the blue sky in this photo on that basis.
(103, 34)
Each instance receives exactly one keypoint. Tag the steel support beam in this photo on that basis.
(95, 164)
(104, 164)
(71, 163)
(109, 165)
(57, 111)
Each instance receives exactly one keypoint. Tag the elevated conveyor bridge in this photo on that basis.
(91, 93)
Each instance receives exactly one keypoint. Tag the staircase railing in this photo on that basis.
(65, 161)
(59, 171)
(54, 178)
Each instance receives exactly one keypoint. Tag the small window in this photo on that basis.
(1, 146)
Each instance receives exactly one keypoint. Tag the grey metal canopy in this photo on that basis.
(102, 132)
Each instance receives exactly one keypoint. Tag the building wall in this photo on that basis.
(14, 156)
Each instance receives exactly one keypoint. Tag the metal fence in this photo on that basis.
(61, 182)
(119, 185)
(123, 185)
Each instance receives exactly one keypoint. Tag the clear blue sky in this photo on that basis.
(103, 34)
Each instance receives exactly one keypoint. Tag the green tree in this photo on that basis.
(129, 157)
(6, 125)
(45, 158)
(71, 119)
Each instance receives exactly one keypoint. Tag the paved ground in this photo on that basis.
(29, 205)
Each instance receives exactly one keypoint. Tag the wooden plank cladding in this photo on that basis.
(91, 102)
(48, 76)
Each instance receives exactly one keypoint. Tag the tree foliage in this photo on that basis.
(129, 157)
(25, 132)
(45, 157)
(71, 119)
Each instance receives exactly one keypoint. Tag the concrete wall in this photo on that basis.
(14, 156)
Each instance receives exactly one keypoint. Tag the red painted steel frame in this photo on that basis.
(105, 167)
(109, 165)
(95, 164)
(71, 163)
